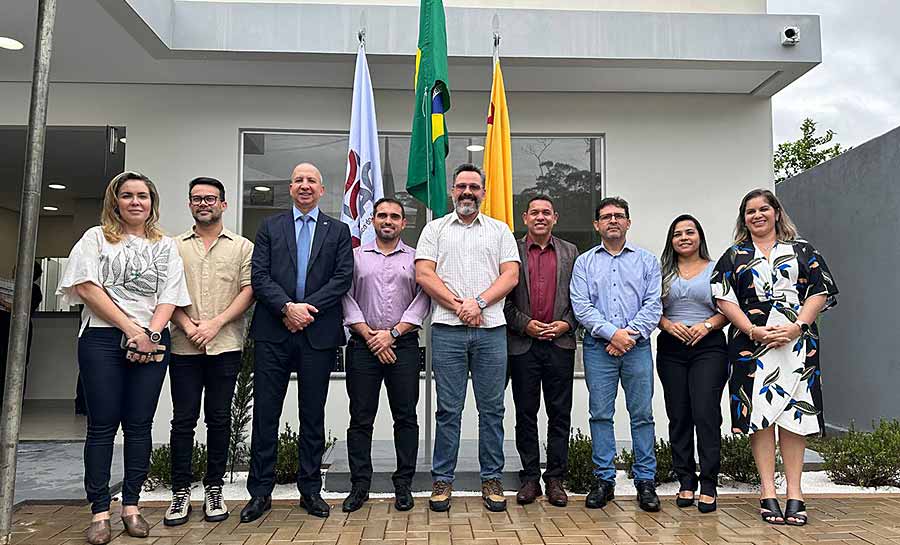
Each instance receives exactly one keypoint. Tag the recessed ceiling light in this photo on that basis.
(56, 186)
(51, 208)
(9, 43)
(475, 147)
(262, 188)
(122, 140)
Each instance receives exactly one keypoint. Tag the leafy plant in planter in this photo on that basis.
(664, 471)
(738, 463)
(287, 462)
(580, 476)
(241, 411)
(160, 473)
(864, 459)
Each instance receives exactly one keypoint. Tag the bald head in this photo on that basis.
(306, 186)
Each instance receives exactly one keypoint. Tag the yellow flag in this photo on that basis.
(498, 201)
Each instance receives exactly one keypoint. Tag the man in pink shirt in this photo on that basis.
(384, 310)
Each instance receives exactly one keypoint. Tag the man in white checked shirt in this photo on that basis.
(468, 262)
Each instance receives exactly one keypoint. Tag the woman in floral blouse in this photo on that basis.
(130, 278)
(772, 286)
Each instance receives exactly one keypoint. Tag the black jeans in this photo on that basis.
(117, 391)
(553, 368)
(273, 365)
(693, 379)
(401, 378)
(189, 376)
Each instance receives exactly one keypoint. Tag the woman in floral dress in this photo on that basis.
(772, 286)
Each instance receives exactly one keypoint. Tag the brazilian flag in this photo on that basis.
(426, 178)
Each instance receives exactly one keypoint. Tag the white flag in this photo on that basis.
(363, 186)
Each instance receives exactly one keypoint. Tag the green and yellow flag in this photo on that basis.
(426, 178)
(498, 201)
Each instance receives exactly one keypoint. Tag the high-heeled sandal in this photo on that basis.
(770, 511)
(793, 510)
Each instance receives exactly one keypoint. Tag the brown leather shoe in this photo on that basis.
(528, 492)
(135, 525)
(99, 532)
(556, 494)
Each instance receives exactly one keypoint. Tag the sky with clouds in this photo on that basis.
(856, 89)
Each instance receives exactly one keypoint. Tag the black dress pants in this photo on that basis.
(213, 378)
(274, 363)
(548, 366)
(401, 378)
(693, 378)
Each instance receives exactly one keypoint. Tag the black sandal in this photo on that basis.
(770, 511)
(792, 510)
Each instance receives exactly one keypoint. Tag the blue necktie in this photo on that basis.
(303, 240)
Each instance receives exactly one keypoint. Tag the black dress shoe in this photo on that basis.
(357, 497)
(646, 496)
(255, 508)
(403, 498)
(315, 505)
(602, 492)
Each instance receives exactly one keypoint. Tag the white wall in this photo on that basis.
(666, 154)
(684, 6)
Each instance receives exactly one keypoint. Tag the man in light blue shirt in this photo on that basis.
(615, 292)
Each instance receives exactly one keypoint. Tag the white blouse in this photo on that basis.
(136, 273)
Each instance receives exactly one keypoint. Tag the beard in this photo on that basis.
(387, 236)
(208, 220)
(467, 206)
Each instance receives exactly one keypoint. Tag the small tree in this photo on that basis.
(792, 158)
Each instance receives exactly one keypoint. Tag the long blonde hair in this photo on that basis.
(110, 219)
(784, 228)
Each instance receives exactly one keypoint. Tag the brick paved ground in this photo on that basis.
(834, 519)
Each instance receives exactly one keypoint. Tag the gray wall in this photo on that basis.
(849, 208)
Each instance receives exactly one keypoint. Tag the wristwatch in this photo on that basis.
(482, 304)
(708, 325)
(284, 309)
(394, 333)
(804, 327)
(155, 336)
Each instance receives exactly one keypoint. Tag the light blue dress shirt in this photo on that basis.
(314, 214)
(611, 292)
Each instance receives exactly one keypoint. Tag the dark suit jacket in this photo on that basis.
(274, 279)
(518, 303)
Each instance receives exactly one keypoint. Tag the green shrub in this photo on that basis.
(664, 471)
(869, 459)
(738, 463)
(241, 411)
(160, 473)
(580, 476)
(287, 462)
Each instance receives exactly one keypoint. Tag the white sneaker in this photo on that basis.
(180, 509)
(214, 509)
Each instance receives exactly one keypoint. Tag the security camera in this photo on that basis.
(790, 35)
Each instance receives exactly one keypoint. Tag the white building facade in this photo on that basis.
(666, 103)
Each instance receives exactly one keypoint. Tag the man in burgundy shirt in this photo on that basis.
(541, 346)
(384, 310)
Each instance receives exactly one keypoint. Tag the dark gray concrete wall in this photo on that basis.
(849, 208)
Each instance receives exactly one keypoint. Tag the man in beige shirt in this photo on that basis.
(206, 346)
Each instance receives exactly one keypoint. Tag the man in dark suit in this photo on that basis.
(302, 267)
(541, 346)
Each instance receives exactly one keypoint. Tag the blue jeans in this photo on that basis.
(602, 373)
(456, 351)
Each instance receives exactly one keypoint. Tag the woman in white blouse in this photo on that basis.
(130, 279)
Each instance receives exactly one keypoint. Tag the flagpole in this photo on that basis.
(495, 23)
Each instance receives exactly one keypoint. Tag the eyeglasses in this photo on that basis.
(208, 199)
(470, 187)
(608, 217)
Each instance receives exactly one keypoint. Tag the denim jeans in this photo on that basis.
(117, 391)
(456, 351)
(602, 373)
(213, 377)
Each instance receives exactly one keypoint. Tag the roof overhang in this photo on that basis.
(304, 44)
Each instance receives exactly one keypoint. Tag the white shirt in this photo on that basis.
(468, 259)
(137, 274)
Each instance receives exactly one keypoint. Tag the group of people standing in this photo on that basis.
(502, 310)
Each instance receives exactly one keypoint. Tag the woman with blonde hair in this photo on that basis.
(130, 279)
(772, 285)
